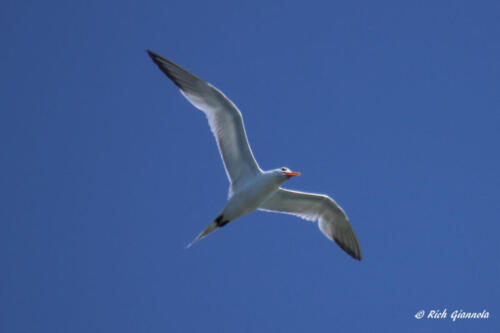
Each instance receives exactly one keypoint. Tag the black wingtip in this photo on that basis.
(158, 60)
(153, 56)
(348, 250)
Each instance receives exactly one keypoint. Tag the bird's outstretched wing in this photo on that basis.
(333, 222)
(224, 118)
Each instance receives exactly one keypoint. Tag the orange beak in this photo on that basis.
(292, 174)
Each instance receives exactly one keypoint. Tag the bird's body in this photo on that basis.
(251, 195)
(251, 187)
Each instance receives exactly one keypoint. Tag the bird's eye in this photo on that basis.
(283, 169)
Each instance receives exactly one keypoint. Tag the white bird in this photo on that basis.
(251, 188)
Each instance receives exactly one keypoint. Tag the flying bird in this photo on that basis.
(251, 188)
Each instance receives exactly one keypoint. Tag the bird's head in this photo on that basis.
(287, 173)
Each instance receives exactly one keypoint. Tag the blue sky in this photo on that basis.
(390, 107)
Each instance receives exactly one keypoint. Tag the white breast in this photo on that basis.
(248, 198)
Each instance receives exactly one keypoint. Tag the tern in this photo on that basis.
(251, 188)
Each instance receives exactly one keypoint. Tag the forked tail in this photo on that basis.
(214, 225)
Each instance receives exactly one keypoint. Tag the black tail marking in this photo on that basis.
(220, 221)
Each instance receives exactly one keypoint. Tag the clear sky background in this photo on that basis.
(107, 172)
